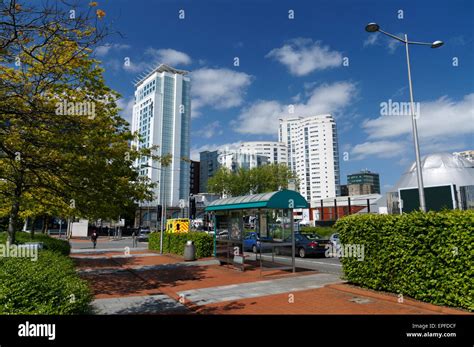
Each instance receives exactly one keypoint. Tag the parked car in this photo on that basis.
(222, 235)
(305, 245)
(252, 242)
(336, 242)
(304, 223)
(143, 234)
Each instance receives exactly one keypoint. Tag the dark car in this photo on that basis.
(305, 245)
(252, 242)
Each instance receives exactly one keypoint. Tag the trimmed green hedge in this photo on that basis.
(175, 242)
(49, 285)
(49, 243)
(426, 256)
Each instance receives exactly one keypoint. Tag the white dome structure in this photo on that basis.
(439, 169)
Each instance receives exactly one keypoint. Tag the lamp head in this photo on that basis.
(437, 44)
(372, 27)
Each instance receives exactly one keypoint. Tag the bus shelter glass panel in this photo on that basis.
(229, 238)
(276, 228)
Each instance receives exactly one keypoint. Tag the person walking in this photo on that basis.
(94, 237)
(134, 239)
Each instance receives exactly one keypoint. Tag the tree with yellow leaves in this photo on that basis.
(64, 150)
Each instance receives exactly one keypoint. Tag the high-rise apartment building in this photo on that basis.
(162, 116)
(194, 177)
(313, 154)
(276, 152)
(231, 159)
(207, 168)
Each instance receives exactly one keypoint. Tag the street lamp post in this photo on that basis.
(372, 28)
(163, 210)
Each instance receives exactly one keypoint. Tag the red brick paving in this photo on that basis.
(327, 300)
(332, 299)
(170, 281)
(94, 263)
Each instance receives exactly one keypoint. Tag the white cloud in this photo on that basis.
(136, 67)
(303, 56)
(210, 130)
(168, 56)
(218, 88)
(262, 117)
(153, 57)
(440, 118)
(105, 49)
(442, 126)
(390, 43)
(393, 44)
(371, 39)
(379, 149)
(212, 147)
(126, 104)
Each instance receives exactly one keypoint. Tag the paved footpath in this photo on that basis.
(213, 295)
(143, 282)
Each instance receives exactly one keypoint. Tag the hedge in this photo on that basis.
(49, 285)
(426, 256)
(49, 243)
(174, 243)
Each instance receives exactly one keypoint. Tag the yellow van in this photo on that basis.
(177, 225)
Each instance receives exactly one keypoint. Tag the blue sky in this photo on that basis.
(300, 62)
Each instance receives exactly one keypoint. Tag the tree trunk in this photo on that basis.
(44, 230)
(13, 221)
(33, 220)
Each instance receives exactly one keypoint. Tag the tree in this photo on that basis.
(261, 179)
(64, 150)
(220, 183)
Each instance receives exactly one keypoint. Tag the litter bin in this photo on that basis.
(189, 251)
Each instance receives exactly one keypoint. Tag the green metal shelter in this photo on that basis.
(264, 222)
(276, 200)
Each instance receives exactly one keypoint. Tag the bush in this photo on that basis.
(49, 243)
(426, 256)
(175, 242)
(49, 285)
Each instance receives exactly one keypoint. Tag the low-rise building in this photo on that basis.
(364, 182)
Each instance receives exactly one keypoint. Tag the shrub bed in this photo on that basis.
(174, 243)
(49, 243)
(426, 256)
(49, 285)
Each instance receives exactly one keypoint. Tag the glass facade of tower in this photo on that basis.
(167, 134)
(185, 111)
(161, 117)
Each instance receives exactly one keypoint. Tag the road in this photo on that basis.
(325, 265)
